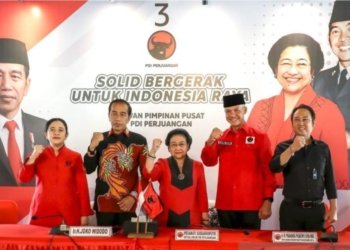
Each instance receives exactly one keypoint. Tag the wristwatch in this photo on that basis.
(133, 194)
(269, 199)
(92, 152)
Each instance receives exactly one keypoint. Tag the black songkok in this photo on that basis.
(13, 51)
(233, 100)
(341, 12)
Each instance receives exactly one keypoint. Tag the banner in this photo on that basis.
(172, 60)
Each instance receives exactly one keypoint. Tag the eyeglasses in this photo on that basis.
(180, 145)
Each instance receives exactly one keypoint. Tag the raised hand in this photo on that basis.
(97, 137)
(298, 143)
(155, 145)
(37, 150)
(215, 134)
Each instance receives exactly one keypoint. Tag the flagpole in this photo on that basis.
(146, 224)
(140, 201)
(137, 224)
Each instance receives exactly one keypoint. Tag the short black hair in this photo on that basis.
(313, 48)
(120, 101)
(308, 108)
(178, 131)
(48, 123)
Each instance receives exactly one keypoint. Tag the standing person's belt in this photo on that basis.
(304, 204)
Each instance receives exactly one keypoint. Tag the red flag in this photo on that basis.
(151, 205)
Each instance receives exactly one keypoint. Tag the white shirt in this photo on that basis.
(19, 133)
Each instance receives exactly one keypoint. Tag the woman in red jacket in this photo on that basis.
(61, 194)
(181, 179)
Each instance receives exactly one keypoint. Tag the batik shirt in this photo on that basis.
(118, 159)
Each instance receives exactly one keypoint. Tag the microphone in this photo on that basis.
(246, 232)
(329, 236)
(55, 230)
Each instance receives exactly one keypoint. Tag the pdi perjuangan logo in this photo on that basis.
(161, 45)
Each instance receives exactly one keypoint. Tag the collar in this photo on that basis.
(314, 142)
(187, 162)
(61, 148)
(126, 132)
(341, 68)
(17, 119)
(244, 128)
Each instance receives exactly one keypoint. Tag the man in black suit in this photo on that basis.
(14, 85)
(334, 83)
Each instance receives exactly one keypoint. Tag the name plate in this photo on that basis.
(90, 231)
(197, 234)
(294, 237)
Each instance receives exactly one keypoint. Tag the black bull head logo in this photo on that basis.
(151, 199)
(159, 48)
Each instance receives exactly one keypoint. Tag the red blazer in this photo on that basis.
(61, 192)
(193, 198)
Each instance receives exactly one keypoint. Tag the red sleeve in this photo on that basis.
(268, 177)
(82, 186)
(157, 171)
(210, 154)
(27, 172)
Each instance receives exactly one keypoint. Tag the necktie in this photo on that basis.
(342, 79)
(13, 151)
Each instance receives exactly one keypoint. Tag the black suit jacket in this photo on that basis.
(325, 84)
(31, 124)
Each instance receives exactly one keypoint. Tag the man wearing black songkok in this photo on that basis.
(28, 129)
(245, 182)
(334, 83)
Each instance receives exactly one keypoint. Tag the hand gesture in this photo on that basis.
(156, 145)
(97, 137)
(152, 154)
(215, 134)
(37, 150)
(298, 143)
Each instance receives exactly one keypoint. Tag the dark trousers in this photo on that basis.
(239, 219)
(113, 219)
(295, 217)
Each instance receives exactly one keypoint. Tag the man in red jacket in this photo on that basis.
(246, 184)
